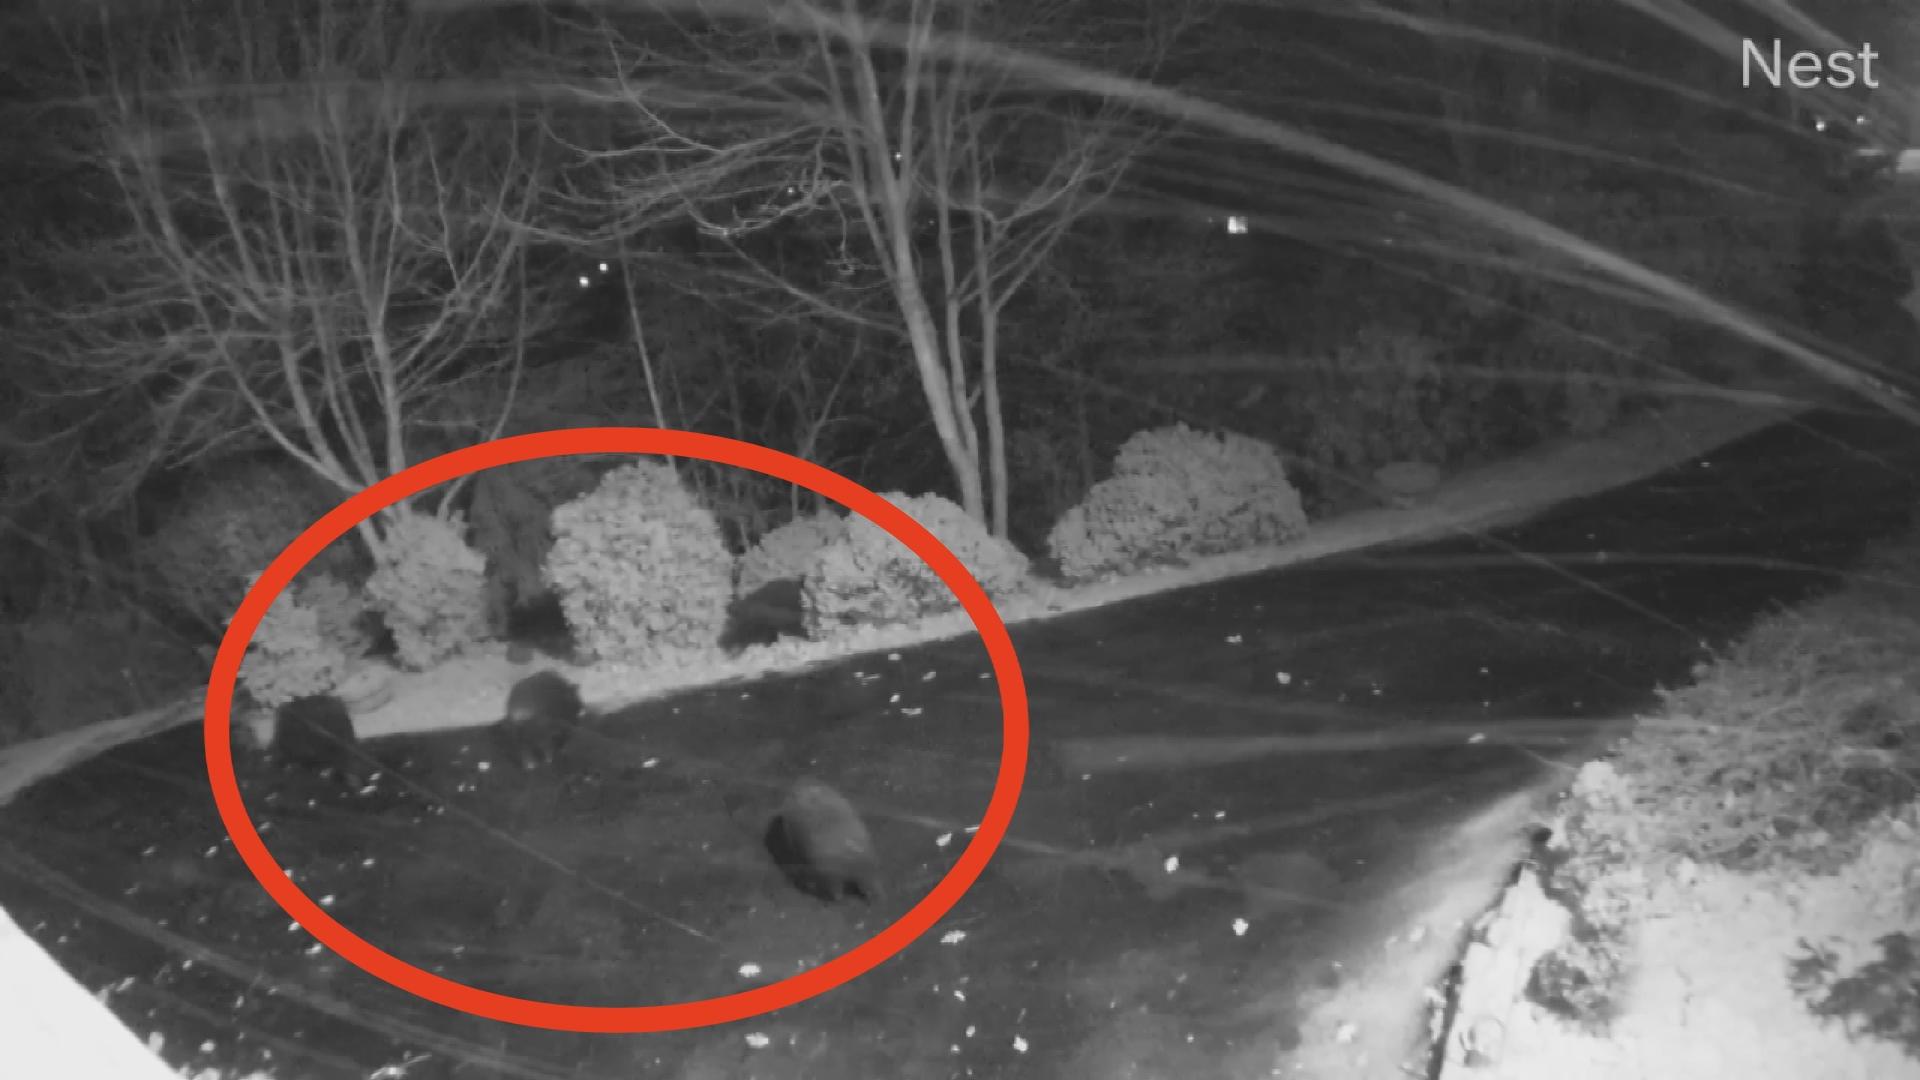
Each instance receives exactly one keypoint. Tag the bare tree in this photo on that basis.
(305, 250)
(1002, 169)
(948, 179)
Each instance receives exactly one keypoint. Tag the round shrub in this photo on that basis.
(868, 578)
(640, 566)
(789, 550)
(1176, 493)
(343, 610)
(291, 655)
(429, 587)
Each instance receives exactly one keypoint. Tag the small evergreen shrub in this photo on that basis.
(789, 550)
(1594, 867)
(1177, 493)
(640, 566)
(429, 587)
(291, 655)
(867, 578)
(345, 613)
(1581, 980)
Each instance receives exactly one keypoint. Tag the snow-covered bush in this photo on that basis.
(868, 578)
(291, 655)
(344, 612)
(1175, 493)
(639, 565)
(789, 550)
(430, 587)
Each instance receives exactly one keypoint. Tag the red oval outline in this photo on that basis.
(639, 1018)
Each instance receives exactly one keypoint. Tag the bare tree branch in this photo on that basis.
(305, 253)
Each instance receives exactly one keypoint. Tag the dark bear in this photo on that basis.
(822, 846)
(765, 615)
(542, 711)
(317, 733)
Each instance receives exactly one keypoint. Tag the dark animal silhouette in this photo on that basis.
(765, 615)
(542, 711)
(822, 846)
(316, 733)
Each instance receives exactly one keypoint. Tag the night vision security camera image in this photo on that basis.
(960, 540)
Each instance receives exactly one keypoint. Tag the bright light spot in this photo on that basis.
(603, 268)
(585, 281)
(1240, 927)
(1237, 224)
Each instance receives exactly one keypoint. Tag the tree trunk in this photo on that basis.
(996, 422)
(950, 417)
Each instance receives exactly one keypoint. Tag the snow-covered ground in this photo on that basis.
(52, 1029)
(54, 1026)
(1710, 995)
